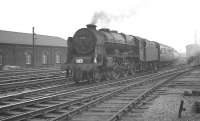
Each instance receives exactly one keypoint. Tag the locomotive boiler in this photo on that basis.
(96, 55)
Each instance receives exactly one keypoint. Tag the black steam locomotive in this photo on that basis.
(95, 55)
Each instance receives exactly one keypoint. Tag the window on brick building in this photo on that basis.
(58, 58)
(1, 59)
(44, 58)
(28, 58)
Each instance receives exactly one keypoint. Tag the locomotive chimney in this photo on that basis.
(91, 26)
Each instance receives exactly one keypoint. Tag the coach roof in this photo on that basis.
(9, 37)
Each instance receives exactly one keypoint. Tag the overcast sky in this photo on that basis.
(171, 22)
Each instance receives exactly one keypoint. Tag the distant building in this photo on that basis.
(17, 49)
(192, 50)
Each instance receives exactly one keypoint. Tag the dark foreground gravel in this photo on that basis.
(166, 107)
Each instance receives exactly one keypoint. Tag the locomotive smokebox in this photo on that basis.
(91, 26)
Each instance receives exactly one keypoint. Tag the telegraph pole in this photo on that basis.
(33, 46)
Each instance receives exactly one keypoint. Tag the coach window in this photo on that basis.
(1, 59)
(44, 58)
(161, 50)
(58, 58)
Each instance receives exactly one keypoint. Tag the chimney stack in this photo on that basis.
(91, 26)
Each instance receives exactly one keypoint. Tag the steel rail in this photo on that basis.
(9, 79)
(68, 115)
(31, 92)
(32, 82)
(40, 90)
(73, 92)
(38, 100)
(54, 107)
(132, 104)
(21, 72)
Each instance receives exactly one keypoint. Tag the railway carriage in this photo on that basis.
(95, 55)
(168, 55)
(148, 54)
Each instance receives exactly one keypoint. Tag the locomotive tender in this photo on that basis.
(95, 55)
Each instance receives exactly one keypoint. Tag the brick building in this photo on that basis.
(17, 49)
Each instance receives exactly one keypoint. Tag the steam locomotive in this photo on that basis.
(96, 55)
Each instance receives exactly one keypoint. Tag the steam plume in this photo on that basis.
(106, 18)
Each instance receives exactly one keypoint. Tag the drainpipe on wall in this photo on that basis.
(33, 47)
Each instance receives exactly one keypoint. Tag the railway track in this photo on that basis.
(8, 77)
(34, 76)
(20, 108)
(25, 70)
(139, 110)
(188, 81)
(30, 78)
(27, 84)
(55, 88)
(113, 108)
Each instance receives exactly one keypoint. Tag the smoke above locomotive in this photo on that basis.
(105, 18)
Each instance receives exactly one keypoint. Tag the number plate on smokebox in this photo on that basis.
(79, 60)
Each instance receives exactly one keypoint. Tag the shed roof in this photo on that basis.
(10, 37)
